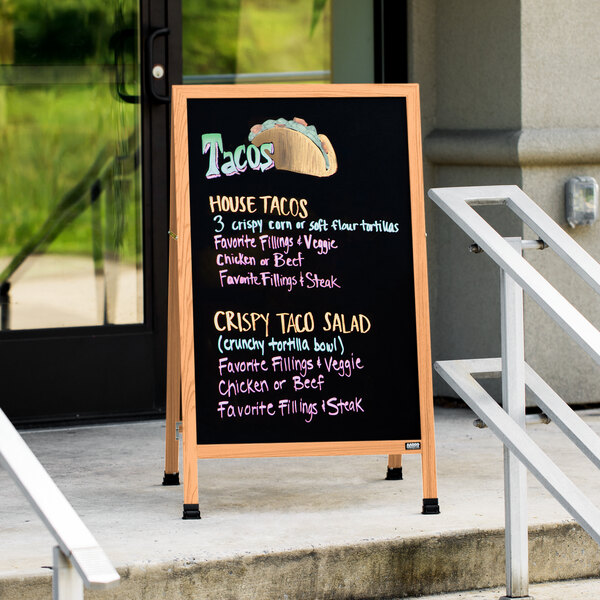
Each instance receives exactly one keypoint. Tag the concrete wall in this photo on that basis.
(467, 43)
(477, 64)
(560, 91)
(509, 96)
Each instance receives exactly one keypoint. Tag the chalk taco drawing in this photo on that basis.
(297, 146)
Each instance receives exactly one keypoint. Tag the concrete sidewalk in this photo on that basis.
(296, 528)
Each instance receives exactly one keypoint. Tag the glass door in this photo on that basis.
(296, 41)
(71, 217)
(256, 41)
(82, 278)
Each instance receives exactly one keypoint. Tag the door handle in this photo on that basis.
(120, 42)
(155, 71)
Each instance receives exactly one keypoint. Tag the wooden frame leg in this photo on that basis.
(394, 468)
(431, 505)
(173, 407)
(173, 394)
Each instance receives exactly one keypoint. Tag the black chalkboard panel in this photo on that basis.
(304, 319)
(302, 272)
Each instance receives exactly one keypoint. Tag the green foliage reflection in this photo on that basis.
(60, 114)
(254, 36)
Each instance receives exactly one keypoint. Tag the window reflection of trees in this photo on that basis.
(70, 152)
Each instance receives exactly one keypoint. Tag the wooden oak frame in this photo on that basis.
(181, 385)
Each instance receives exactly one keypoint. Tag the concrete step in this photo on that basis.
(578, 589)
(394, 569)
(413, 567)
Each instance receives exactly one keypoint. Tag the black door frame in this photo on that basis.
(390, 29)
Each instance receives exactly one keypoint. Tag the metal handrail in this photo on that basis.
(457, 203)
(517, 275)
(77, 548)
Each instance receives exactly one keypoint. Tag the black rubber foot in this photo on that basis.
(394, 474)
(171, 479)
(191, 511)
(431, 506)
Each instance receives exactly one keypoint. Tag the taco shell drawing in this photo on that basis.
(297, 146)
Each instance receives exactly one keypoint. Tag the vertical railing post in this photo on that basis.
(513, 401)
(66, 582)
